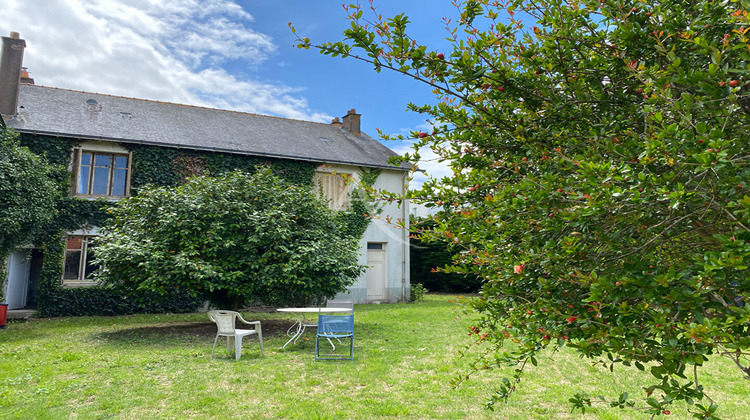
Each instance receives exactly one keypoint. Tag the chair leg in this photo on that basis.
(317, 340)
(214, 349)
(237, 348)
(351, 348)
(260, 337)
(230, 344)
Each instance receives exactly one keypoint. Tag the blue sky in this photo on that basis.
(226, 54)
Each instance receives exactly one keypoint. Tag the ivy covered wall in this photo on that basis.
(150, 164)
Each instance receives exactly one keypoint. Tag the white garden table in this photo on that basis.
(296, 330)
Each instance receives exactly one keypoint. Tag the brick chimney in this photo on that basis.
(10, 72)
(25, 78)
(351, 122)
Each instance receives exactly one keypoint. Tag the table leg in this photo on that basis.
(300, 328)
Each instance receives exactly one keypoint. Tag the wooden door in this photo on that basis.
(376, 291)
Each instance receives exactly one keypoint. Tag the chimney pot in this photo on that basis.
(15, 35)
(336, 121)
(351, 122)
(25, 78)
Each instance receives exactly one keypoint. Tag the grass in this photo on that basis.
(159, 366)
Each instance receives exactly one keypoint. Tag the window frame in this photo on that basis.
(78, 164)
(83, 258)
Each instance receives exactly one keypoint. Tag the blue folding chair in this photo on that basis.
(336, 326)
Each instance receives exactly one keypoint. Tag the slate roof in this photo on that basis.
(69, 113)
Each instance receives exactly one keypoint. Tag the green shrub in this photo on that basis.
(236, 238)
(109, 301)
(417, 292)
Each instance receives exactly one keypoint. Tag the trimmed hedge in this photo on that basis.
(98, 300)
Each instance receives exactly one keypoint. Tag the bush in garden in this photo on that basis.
(236, 239)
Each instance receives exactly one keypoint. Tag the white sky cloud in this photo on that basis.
(428, 163)
(161, 50)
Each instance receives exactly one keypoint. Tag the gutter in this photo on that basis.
(405, 238)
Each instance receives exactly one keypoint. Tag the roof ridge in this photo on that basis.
(175, 103)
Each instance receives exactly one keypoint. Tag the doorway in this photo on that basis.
(17, 282)
(376, 291)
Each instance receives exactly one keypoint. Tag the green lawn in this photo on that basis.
(159, 366)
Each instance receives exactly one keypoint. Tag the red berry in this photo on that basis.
(440, 56)
(721, 84)
(734, 83)
(501, 89)
(422, 135)
(559, 190)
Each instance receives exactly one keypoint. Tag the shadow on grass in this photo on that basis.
(184, 332)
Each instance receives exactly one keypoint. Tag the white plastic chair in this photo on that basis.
(225, 322)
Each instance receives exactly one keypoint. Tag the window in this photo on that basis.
(335, 187)
(102, 174)
(78, 256)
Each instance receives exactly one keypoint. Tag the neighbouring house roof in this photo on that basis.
(68, 113)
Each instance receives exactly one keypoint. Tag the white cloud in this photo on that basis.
(429, 163)
(161, 50)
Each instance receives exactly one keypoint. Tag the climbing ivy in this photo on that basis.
(171, 167)
(150, 165)
(362, 205)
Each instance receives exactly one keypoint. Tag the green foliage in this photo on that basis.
(427, 258)
(27, 195)
(156, 165)
(236, 238)
(55, 149)
(417, 292)
(362, 206)
(108, 301)
(56, 300)
(600, 181)
(171, 167)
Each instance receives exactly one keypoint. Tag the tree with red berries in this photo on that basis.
(601, 169)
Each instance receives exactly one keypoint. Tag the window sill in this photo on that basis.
(110, 198)
(78, 283)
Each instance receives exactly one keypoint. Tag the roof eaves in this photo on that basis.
(210, 149)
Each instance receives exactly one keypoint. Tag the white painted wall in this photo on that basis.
(395, 238)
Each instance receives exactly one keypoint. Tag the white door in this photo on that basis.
(376, 273)
(18, 279)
